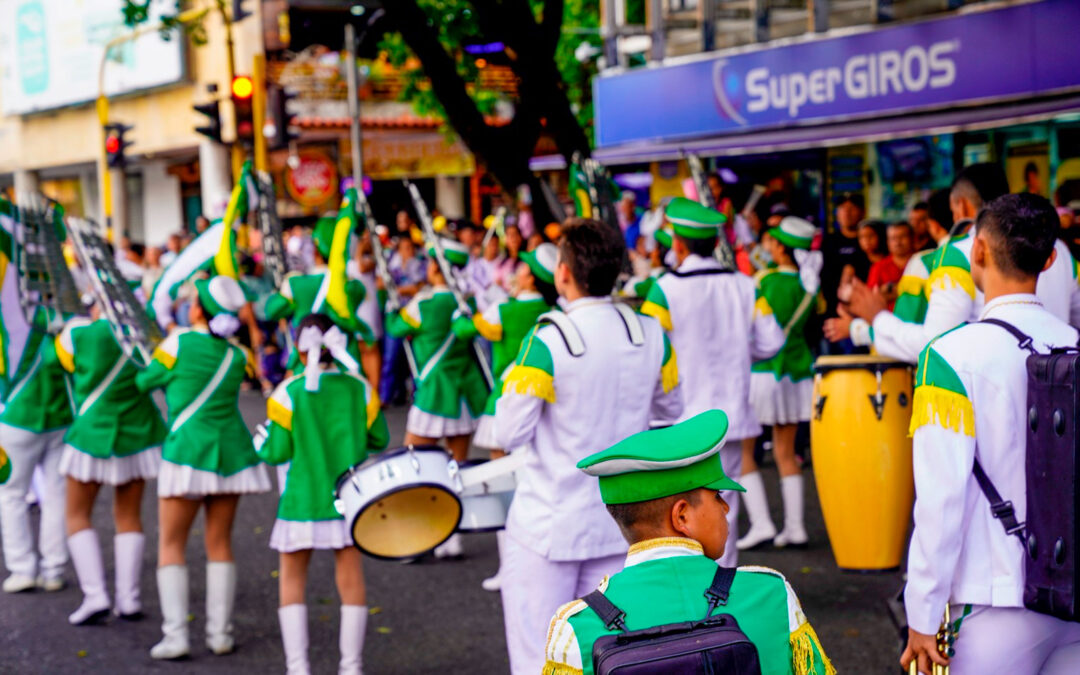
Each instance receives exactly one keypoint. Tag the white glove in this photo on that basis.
(260, 436)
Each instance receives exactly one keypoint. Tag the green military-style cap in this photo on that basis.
(457, 254)
(541, 261)
(794, 232)
(663, 237)
(663, 462)
(691, 220)
(220, 295)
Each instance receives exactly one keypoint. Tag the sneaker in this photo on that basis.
(51, 585)
(492, 583)
(17, 583)
(451, 548)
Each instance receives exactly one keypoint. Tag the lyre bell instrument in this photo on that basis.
(44, 280)
(135, 332)
(724, 255)
(270, 227)
(946, 637)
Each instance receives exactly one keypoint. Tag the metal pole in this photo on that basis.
(656, 17)
(610, 34)
(819, 15)
(352, 79)
(258, 110)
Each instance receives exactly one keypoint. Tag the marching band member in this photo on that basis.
(35, 416)
(970, 401)
(717, 328)
(115, 440)
(207, 461)
(590, 378)
(781, 387)
(315, 427)
(664, 488)
(505, 325)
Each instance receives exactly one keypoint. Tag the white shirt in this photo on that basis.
(716, 332)
(368, 311)
(610, 392)
(959, 552)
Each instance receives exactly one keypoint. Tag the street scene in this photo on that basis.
(552, 337)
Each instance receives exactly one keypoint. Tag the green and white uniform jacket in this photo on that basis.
(114, 419)
(39, 397)
(505, 325)
(780, 290)
(201, 375)
(664, 582)
(321, 433)
(448, 373)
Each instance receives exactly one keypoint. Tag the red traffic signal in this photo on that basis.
(115, 144)
(112, 145)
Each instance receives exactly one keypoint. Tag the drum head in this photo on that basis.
(870, 362)
(407, 522)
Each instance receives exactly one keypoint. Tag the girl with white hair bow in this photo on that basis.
(322, 422)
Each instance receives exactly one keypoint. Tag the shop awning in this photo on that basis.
(826, 135)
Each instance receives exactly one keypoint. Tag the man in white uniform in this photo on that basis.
(717, 330)
(970, 399)
(596, 375)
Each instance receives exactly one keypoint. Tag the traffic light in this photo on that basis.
(241, 90)
(278, 129)
(212, 129)
(238, 11)
(116, 144)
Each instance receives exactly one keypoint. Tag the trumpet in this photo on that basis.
(946, 636)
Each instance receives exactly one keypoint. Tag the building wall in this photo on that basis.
(163, 212)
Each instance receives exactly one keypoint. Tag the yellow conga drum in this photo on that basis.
(862, 458)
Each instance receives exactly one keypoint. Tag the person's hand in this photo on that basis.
(923, 649)
(839, 328)
(865, 303)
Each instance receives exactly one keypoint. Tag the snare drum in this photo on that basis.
(401, 503)
(485, 504)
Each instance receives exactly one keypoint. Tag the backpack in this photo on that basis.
(713, 644)
(1051, 533)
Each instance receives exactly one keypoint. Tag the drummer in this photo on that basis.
(716, 328)
(314, 426)
(559, 539)
(781, 388)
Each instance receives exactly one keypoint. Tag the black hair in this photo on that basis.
(137, 249)
(718, 177)
(323, 323)
(636, 519)
(921, 206)
(701, 247)
(878, 226)
(980, 183)
(594, 251)
(1030, 168)
(1021, 230)
(938, 206)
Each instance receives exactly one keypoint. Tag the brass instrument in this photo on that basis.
(946, 636)
(135, 332)
(44, 280)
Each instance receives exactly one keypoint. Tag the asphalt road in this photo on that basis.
(429, 617)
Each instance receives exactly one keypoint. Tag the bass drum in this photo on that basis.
(402, 503)
(862, 458)
(486, 503)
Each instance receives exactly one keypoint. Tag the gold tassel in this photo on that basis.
(669, 374)
(934, 405)
(530, 381)
(555, 668)
(804, 641)
(944, 278)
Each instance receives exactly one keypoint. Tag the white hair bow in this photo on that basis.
(224, 325)
(312, 341)
(810, 264)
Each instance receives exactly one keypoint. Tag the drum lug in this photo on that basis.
(819, 406)
(454, 471)
(339, 506)
(413, 460)
(877, 399)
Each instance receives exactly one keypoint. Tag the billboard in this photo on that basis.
(50, 52)
(999, 54)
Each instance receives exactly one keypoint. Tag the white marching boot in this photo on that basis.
(762, 528)
(128, 556)
(172, 581)
(451, 548)
(294, 638)
(86, 556)
(351, 639)
(794, 532)
(220, 595)
(494, 582)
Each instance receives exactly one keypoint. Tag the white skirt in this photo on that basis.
(178, 480)
(485, 433)
(75, 463)
(301, 535)
(781, 401)
(425, 424)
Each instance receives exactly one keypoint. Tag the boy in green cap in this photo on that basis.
(664, 488)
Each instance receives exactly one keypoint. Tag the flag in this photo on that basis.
(243, 200)
(201, 255)
(579, 190)
(14, 329)
(337, 299)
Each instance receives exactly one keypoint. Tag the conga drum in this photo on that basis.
(862, 458)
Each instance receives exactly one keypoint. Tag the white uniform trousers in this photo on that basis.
(731, 460)
(533, 588)
(26, 450)
(1014, 640)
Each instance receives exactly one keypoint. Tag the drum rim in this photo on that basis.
(380, 456)
(400, 488)
(871, 366)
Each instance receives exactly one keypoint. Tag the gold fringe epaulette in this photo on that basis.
(529, 381)
(804, 644)
(947, 409)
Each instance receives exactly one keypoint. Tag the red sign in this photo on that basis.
(314, 180)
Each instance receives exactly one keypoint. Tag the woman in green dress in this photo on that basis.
(208, 460)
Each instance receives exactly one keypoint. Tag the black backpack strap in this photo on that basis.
(613, 617)
(720, 588)
(1021, 337)
(1002, 510)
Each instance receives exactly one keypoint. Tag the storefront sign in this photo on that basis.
(992, 55)
(392, 155)
(314, 179)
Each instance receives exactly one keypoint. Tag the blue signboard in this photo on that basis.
(991, 55)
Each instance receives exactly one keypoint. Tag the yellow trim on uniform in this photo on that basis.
(669, 373)
(910, 285)
(277, 412)
(944, 278)
(661, 314)
(661, 542)
(165, 358)
(373, 406)
(762, 307)
(804, 641)
(67, 359)
(947, 409)
(555, 668)
(530, 381)
(408, 318)
(491, 332)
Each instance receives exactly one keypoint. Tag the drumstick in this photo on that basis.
(482, 473)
